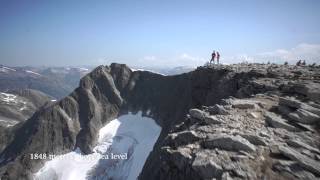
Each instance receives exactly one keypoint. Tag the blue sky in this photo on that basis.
(157, 33)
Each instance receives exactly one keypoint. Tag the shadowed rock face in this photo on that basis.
(109, 91)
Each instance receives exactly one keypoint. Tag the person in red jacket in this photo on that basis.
(213, 55)
(218, 57)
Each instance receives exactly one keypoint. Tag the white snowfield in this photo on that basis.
(123, 147)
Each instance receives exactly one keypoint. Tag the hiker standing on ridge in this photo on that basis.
(213, 55)
(298, 63)
(218, 57)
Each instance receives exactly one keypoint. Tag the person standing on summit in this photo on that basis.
(213, 55)
(218, 57)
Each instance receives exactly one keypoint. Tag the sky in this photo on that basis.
(164, 33)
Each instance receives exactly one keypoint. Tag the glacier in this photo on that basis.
(130, 138)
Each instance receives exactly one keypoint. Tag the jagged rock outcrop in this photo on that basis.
(206, 133)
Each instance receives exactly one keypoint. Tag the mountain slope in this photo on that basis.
(110, 91)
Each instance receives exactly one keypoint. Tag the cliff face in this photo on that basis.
(72, 122)
(269, 129)
(109, 91)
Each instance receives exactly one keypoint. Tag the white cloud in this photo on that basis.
(304, 51)
(101, 60)
(183, 59)
(237, 58)
(186, 56)
(186, 59)
(149, 58)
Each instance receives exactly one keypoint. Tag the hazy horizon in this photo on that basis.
(157, 34)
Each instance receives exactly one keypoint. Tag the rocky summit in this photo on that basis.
(243, 121)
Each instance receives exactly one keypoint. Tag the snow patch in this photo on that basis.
(14, 100)
(132, 135)
(148, 112)
(33, 73)
(83, 69)
(24, 106)
(8, 123)
(8, 97)
(133, 70)
(6, 69)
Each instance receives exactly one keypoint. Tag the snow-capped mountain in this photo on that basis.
(54, 81)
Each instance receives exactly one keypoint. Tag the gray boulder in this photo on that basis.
(227, 142)
(197, 114)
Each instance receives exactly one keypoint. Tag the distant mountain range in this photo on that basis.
(57, 82)
(168, 71)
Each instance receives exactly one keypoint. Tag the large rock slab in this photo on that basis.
(254, 139)
(218, 109)
(296, 104)
(304, 161)
(290, 102)
(304, 117)
(228, 142)
(212, 120)
(300, 144)
(277, 122)
(243, 104)
(309, 89)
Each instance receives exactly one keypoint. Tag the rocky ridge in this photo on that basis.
(244, 139)
(245, 121)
